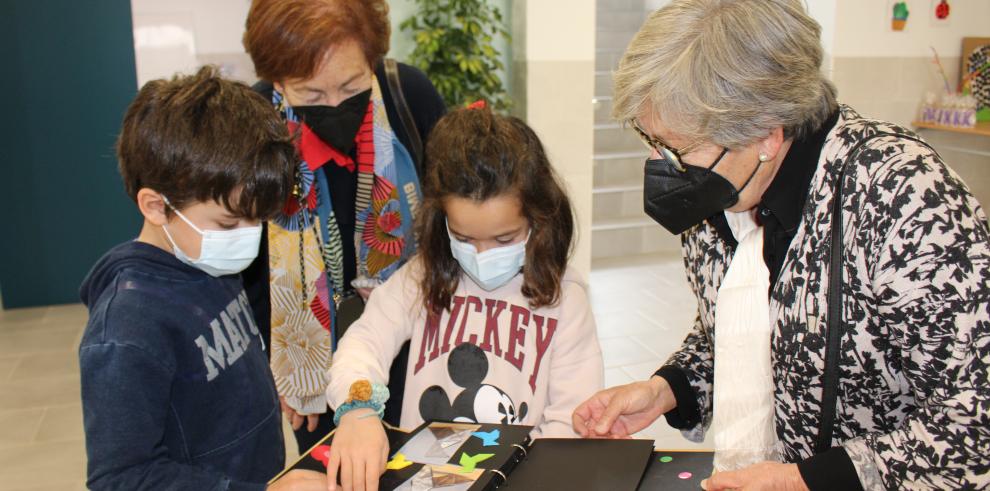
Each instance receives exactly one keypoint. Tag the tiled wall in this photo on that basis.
(619, 226)
(553, 52)
(885, 74)
(889, 88)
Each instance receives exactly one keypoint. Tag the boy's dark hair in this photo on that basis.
(201, 138)
(477, 154)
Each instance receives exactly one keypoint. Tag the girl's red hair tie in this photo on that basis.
(478, 104)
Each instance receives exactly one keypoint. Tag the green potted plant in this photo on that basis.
(900, 16)
(454, 45)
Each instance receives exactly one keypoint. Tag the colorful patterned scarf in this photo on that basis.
(305, 246)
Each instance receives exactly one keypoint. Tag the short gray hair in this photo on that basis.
(727, 71)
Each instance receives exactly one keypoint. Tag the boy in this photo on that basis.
(176, 388)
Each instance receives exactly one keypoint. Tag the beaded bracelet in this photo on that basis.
(363, 394)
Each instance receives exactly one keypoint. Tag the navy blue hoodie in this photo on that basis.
(176, 388)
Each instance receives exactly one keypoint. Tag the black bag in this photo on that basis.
(830, 384)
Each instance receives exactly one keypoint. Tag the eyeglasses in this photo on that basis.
(670, 154)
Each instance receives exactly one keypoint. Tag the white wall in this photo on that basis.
(864, 28)
(179, 35)
(885, 73)
(824, 11)
(556, 54)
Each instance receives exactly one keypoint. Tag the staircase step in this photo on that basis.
(613, 39)
(613, 138)
(631, 154)
(608, 60)
(617, 189)
(617, 203)
(602, 6)
(603, 109)
(623, 223)
(622, 21)
(648, 238)
(619, 172)
(603, 82)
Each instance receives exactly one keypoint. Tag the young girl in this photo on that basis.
(501, 330)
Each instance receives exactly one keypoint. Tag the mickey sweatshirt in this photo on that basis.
(488, 358)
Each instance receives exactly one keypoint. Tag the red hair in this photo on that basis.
(287, 39)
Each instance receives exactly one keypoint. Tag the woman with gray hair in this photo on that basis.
(843, 331)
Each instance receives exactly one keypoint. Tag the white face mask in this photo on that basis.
(222, 252)
(492, 268)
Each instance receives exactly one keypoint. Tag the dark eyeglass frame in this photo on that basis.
(670, 154)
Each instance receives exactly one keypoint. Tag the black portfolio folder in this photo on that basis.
(449, 456)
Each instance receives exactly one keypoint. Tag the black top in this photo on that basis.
(782, 205)
(779, 212)
(426, 107)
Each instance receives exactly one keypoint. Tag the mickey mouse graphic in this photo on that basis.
(478, 402)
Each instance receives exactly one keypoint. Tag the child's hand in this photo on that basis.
(359, 450)
(296, 419)
(300, 480)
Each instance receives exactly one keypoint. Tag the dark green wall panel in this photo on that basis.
(67, 77)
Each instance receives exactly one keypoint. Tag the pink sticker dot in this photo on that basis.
(684, 475)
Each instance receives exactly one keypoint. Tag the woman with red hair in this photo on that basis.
(359, 121)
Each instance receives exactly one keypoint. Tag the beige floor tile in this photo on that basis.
(624, 351)
(18, 427)
(43, 464)
(43, 318)
(609, 301)
(14, 316)
(61, 423)
(7, 366)
(73, 312)
(642, 371)
(33, 325)
(615, 376)
(624, 323)
(47, 365)
(69, 485)
(20, 342)
(674, 316)
(39, 393)
(661, 343)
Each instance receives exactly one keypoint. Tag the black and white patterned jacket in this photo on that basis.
(913, 406)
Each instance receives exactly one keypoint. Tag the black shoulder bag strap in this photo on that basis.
(830, 384)
(405, 115)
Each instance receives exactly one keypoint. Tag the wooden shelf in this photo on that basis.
(981, 128)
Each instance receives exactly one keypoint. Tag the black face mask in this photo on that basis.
(337, 125)
(678, 200)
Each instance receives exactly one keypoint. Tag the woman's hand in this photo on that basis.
(621, 411)
(765, 476)
(359, 450)
(296, 419)
(300, 480)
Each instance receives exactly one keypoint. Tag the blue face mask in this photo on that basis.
(492, 268)
(223, 252)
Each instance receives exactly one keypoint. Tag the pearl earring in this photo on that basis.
(764, 157)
